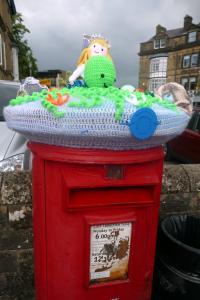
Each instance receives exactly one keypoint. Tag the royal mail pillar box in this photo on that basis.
(95, 221)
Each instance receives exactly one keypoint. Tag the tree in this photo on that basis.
(27, 62)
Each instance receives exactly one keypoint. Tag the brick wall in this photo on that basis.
(180, 194)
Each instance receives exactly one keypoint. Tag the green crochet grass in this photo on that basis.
(99, 72)
(92, 97)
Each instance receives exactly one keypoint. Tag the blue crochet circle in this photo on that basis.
(143, 123)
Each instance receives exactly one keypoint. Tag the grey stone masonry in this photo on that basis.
(16, 237)
(180, 194)
(180, 190)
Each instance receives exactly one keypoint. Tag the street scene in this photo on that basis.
(99, 150)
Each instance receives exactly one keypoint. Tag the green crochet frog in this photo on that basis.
(99, 72)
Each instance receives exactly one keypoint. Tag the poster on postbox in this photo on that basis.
(109, 252)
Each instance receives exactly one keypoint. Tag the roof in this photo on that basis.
(177, 32)
(172, 33)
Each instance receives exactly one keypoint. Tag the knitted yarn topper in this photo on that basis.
(99, 72)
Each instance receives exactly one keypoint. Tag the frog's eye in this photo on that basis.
(102, 49)
(94, 46)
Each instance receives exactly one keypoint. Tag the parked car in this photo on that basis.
(186, 147)
(196, 100)
(14, 154)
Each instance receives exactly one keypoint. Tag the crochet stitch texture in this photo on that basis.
(99, 72)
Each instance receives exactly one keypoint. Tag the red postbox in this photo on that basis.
(95, 222)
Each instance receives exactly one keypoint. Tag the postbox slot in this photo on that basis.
(106, 196)
(109, 175)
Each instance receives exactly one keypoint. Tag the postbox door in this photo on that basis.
(98, 246)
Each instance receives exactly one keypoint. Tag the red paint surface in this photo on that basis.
(74, 189)
(186, 146)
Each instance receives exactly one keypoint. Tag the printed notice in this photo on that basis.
(109, 252)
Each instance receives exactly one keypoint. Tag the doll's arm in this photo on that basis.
(78, 72)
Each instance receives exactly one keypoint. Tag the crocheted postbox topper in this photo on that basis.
(96, 114)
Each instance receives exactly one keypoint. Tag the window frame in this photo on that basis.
(188, 78)
(154, 65)
(197, 54)
(190, 81)
(156, 41)
(186, 81)
(158, 65)
(159, 80)
(164, 43)
(188, 66)
(188, 38)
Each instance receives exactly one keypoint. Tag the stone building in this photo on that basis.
(8, 51)
(171, 55)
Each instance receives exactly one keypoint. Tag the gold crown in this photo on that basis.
(88, 38)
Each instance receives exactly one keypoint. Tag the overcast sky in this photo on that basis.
(57, 27)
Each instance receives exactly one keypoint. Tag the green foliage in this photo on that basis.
(27, 62)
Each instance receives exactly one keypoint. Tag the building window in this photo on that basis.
(156, 44)
(154, 83)
(192, 83)
(190, 60)
(186, 61)
(192, 36)
(1, 54)
(194, 60)
(162, 43)
(154, 66)
(159, 43)
(189, 83)
(158, 67)
(185, 83)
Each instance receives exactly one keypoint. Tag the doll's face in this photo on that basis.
(97, 49)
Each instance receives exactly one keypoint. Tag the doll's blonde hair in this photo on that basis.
(85, 54)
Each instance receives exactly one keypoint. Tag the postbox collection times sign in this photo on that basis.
(109, 252)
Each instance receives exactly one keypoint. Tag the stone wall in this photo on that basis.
(16, 263)
(180, 194)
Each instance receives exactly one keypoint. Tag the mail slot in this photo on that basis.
(95, 222)
(109, 196)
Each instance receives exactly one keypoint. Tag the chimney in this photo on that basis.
(160, 29)
(187, 22)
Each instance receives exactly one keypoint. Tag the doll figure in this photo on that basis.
(96, 45)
